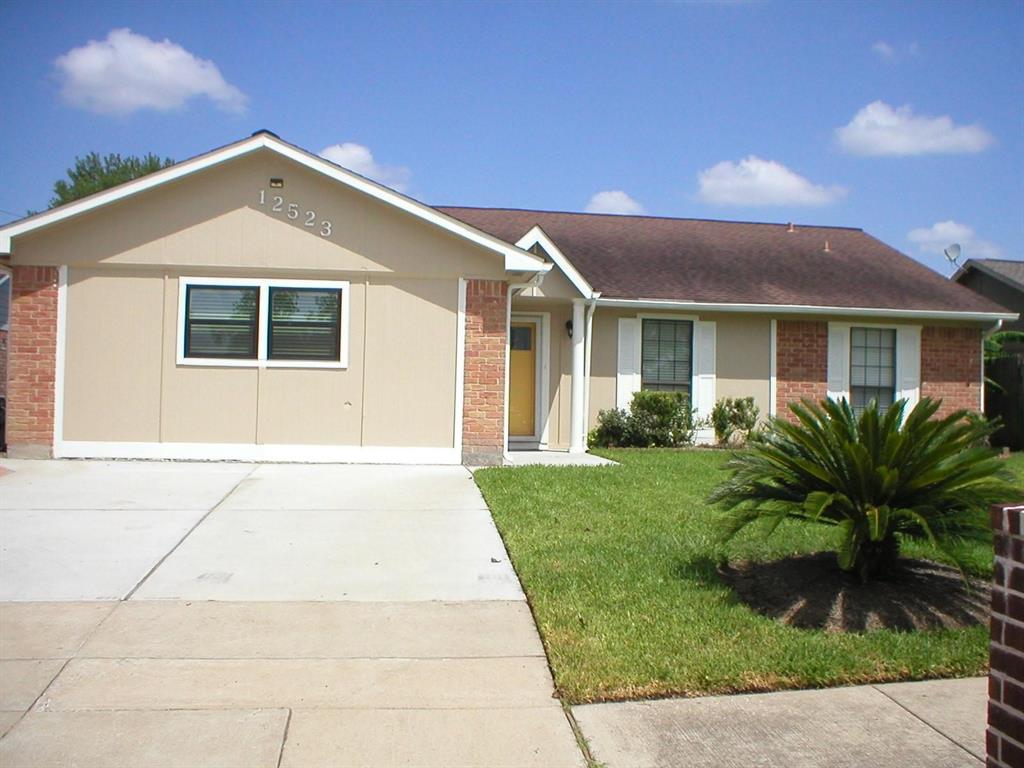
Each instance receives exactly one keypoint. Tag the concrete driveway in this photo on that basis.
(175, 614)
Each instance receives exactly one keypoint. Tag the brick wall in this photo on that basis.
(801, 363)
(31, 361)
(483, 415)
(951, 367)
(3, 363)
(1005, 736)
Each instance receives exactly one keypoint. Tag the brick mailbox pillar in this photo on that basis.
(1005, 736)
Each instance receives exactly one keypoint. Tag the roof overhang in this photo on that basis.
(987, 270)
(803, 309)
(516, 259)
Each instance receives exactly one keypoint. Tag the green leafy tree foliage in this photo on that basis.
(92, 173)
(877, 479)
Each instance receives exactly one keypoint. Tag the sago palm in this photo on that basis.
(879, 479)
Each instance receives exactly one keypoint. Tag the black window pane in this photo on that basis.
(666, 355)
(304, 324)
(872, 368)
(221, 321)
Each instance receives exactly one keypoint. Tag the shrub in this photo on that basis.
(734, 420)
(878, 479)
(661, 419)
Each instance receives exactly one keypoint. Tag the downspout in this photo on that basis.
(591, 306)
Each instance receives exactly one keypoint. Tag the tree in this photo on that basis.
(93, 173)
(878, 479)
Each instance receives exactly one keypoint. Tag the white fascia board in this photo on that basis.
(538, 236)
(516, 259)
(802, 309)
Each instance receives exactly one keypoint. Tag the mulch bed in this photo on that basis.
(810, 592)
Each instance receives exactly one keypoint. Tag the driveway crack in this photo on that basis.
(188, 533)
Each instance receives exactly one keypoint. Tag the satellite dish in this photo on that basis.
(953, 253)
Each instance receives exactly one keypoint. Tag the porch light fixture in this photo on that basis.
(568, 327)
(277, 183)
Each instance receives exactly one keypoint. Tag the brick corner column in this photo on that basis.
(951, 367)
(483, 411)
(1004, 739)
(32, 361)
(801, 363)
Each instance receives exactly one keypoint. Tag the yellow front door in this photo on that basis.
(522, 379)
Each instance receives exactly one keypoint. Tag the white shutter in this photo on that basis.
(704, 375)
(627, 380)
(908, 363)
(838, 361)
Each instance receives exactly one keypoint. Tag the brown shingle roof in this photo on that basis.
(733, 262)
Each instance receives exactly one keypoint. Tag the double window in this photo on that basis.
(300, 323)
(872, 368)
(666, 355)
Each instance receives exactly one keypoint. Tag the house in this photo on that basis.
(1000, 280)
(260, 303)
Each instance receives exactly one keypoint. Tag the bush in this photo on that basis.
(654, 419)
(878, 479)
(734, 420)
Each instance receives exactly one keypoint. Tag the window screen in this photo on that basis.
(304, 324)
(220, 321)
(666, 355)
(872, 368)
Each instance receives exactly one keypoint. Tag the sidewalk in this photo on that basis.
(932, 724)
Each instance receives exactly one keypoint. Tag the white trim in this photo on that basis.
(326, 454)
(704, 390)
(60, 353)
(800, 309)
(508, 332)
(577, 419)
(460, 366)
(773, 382)
(262, 325)
(516, 259)
(537, 236)
(542, 379)
(693, 320)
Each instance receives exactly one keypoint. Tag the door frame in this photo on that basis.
(539, 439)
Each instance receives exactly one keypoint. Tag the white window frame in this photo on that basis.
(263, 322)
(907, 373)
(692, 320)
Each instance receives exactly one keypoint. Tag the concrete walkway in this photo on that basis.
(933, 724)
(167, 614)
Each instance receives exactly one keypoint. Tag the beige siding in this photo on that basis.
(123, 383)
(214, 219)
(743, 359)
(112, 369)
(410, 363)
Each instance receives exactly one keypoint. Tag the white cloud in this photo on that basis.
(936, 238)
(613, 201)
(879, 129)
(359, 159)
(753, 181)
(883, 49)
(127, 72)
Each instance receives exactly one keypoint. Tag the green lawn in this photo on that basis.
(619, 567)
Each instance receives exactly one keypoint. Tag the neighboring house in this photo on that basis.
(261, 303)
(1000, 280)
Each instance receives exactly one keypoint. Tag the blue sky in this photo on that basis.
(906, 119)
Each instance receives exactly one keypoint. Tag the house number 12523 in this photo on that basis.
(292, 211)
